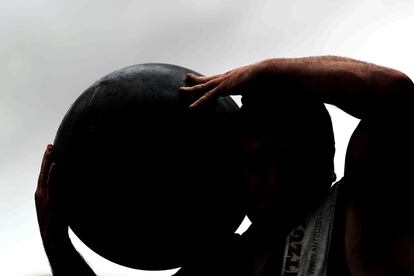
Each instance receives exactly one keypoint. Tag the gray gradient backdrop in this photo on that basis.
(50, 51)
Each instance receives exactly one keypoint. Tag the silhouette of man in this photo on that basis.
(362, 226)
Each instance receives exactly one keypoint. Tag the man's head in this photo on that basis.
(287, 159)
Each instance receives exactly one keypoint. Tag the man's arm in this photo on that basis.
(357, 87)
(354, 86)
(63, 257)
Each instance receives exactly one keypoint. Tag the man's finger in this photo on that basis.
(50, 178)
(44, 168)
(201, 87)
(205, 98)
(201, 79)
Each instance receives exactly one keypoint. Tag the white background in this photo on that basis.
(50, 51)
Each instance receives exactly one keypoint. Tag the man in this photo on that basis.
(286, 160)
(373, 233)
(370, 92)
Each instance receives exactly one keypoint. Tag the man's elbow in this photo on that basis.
(401, 99)
(392, 94)
(404, 86)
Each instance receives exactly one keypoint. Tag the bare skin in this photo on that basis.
(356, 87)
(378, 237)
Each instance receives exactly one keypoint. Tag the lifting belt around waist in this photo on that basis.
(307, 246)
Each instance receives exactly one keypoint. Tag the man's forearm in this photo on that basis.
(356, 87)
(65, 260)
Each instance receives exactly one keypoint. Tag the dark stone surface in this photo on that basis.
(146, 182)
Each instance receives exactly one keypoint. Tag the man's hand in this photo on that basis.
(234, 82)
(53, 228)
(63, 257)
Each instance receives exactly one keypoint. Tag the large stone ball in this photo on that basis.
(147, 182)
